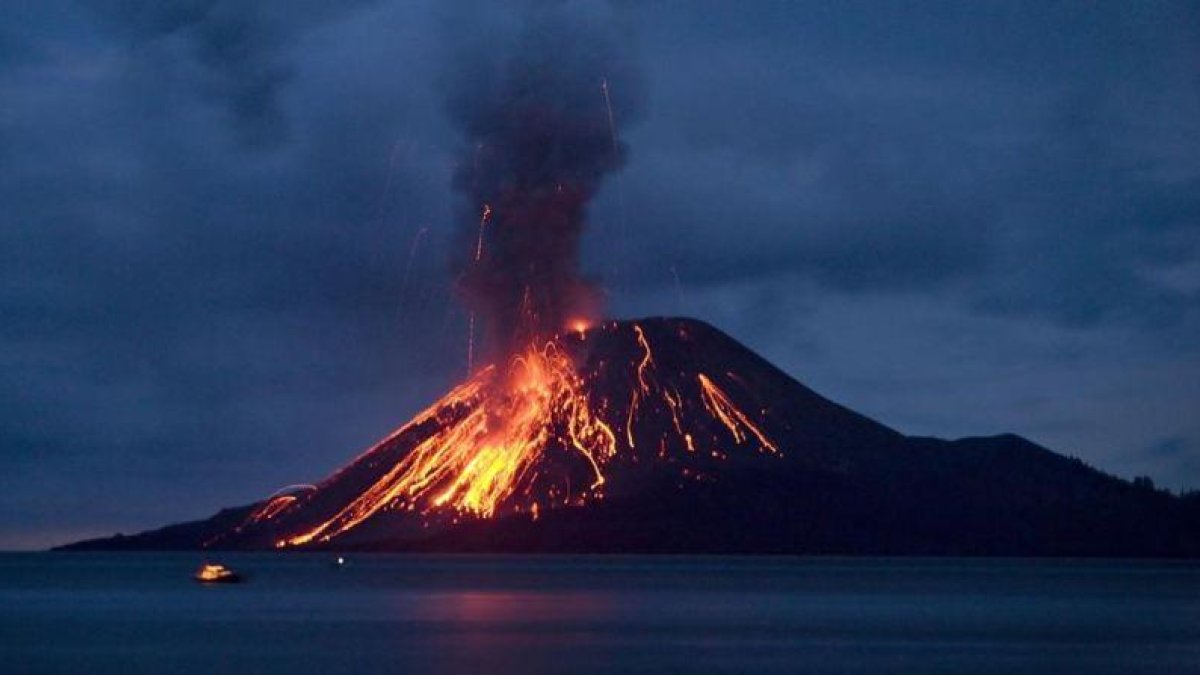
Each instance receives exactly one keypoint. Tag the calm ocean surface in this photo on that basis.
(132, 613)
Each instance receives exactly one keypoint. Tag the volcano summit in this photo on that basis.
(666, 435)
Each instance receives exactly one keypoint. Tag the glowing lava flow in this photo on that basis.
(513, 438)
(483, 221)
(272, 508)
(643, 388)
(719, 405)
(474, 463)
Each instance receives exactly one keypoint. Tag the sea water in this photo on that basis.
(300, 613)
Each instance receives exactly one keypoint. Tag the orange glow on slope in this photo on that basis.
(643, 386)
(647, 359)
(720, 407)
(484, 217)
(272, 508)
(475, 463)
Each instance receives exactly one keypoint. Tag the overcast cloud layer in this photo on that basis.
(226, 226)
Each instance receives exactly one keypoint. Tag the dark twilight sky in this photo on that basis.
(225, 225)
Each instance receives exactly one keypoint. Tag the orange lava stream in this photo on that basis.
(476, 463)
(272, 508)
(719, 405)
(483, 221)
(643, 386)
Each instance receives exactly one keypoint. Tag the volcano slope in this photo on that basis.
(668, 436)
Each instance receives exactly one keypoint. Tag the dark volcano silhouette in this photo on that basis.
(718, 451)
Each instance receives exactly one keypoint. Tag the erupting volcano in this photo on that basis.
(529, 431)
(649, 435)
(546, 430)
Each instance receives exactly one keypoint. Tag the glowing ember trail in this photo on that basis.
(470, 342)
(734, 419)
(643, 388)
(616, 150)
(412, 256)
(272, 508)
(483, 220)
(612, 120)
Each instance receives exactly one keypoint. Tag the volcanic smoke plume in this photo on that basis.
(540, 129)
(555, 413)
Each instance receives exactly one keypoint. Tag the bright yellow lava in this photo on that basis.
(475, 463)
